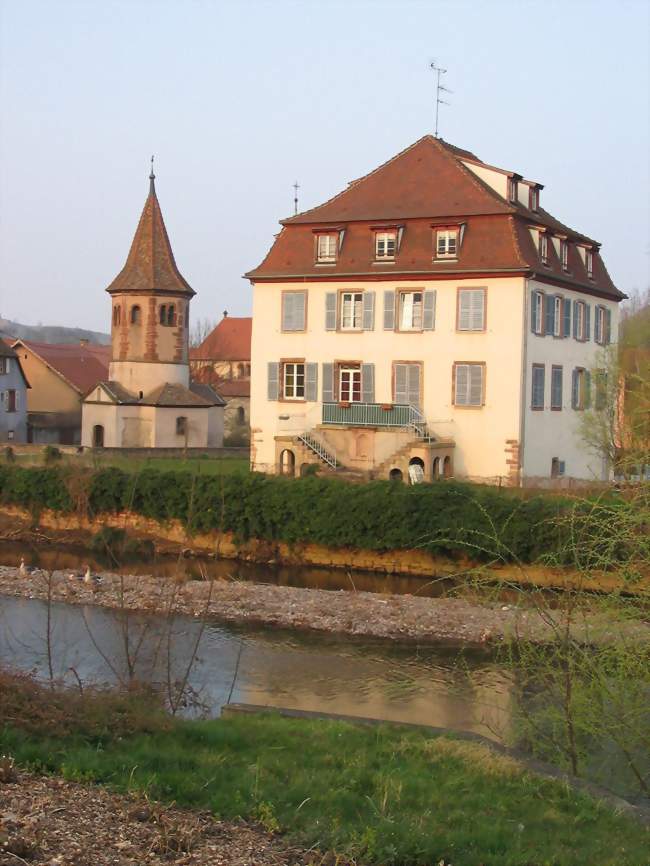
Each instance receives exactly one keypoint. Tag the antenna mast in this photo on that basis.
(296, 187)
(439, 89)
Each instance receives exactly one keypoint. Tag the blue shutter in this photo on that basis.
(328, 383)
(273, 385)
(368, 311)
(566, 309)
(368, 383)
(575, 320)
(429, 311)
(330, 311)
(311, 382)
(587, 321)
(597, 325)
(389, 311)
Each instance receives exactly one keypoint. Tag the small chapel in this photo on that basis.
(149, 400)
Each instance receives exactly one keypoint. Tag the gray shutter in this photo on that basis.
(273, 385)
(330, 311)
(598, 336)
(368, 382)
(566, 327)
(587, 400)
(328, 383)
(368, 311)
(549, 314)
(389, 311)
(608, 327)
(287, 312)
(401, 383)
(311, 382)
(299, 311)
(587, 321)
(574, 389)
(476, 384)
(414, 385)
(429, 311)
(575, 320)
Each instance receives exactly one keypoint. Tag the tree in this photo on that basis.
(200, 330)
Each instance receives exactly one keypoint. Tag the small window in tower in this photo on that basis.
(171, 315)
(135, 315)
(163, 314)
(117, 315)
(187, 316)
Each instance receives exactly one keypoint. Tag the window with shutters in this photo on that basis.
(470, 314)
(385, 245)
(580, 388)
(537, 390)
(557, 375)
(602, 325)
(543, 248)
(589, 263)
(447, 244)
(558, 309)
(349, 383)
(326, 248)
(293, 380)
(294, 309)
(580, 324)
(407, 383)
(469, 384)
(351, 311)
(410, 311)
(537, 313)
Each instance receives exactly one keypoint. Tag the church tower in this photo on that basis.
(150, 309)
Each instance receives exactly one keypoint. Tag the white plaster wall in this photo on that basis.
(165, 435)
(107, 416)
(496, 179)
(215, 426)
(548, 433)
(480, 434)
(144, 376)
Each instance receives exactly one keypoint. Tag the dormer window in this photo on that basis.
(385, 245)
(564, 254)
(533, 198)
(543, 248)
(589, 263)
(447, 244)
(512, 190)
(326, 248)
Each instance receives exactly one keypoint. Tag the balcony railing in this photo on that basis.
(368, 414)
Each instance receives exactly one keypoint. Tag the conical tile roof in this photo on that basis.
(150, 266)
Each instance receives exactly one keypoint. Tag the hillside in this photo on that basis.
(50, 333)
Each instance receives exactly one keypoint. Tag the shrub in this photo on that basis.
(10, 454)
(51, 454)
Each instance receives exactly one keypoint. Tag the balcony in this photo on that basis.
(369, 414)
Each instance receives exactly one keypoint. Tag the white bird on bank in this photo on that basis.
(89, 577)
(22, 568)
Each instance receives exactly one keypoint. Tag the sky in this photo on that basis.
(237, 100)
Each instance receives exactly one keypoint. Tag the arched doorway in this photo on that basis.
(416, 470)
(98, 436)
(287, 462)
(446, 467)
(435, 469)
(395, 475)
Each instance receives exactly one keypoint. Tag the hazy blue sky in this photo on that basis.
(237, 100)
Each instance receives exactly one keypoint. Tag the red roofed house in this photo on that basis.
(59, 374)
(223, 360)
(431, 319)
(146, 398)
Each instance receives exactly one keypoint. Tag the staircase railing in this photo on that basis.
(418, 424)
(327, 455)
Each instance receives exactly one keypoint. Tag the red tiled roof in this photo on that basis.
(150, 265)
(426, 182)
(233, 387)
(229, 341)
(81, 366)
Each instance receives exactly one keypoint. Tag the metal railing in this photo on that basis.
(367, 414)
(326, 453)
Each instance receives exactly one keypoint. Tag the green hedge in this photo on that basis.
(448, 517)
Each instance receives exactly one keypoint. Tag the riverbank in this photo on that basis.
(404, 618)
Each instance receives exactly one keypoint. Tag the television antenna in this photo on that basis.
(439, 89)
(296, 187)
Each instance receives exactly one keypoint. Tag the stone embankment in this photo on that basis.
(359, 614)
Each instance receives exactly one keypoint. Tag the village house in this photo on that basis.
(223, 360)
(59, 374)
(13, 396)
(432, 319)
(148, 400)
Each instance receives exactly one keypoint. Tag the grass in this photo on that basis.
(385, 795)
(195, 464)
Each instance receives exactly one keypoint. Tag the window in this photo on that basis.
(167, 315)
(12, 401)
(556, 387)
(512, 189)
(163, 314)
(537, 395)
(469, 384)
(543, 248)
(293, 380)
(602, 325)
(533, 198)
(558, 467)
(407, 384)
(564, 254)
(241, 415)
(446, 244)
(385, 245)
(349, 384)
(294, 306)
(537, 313)
(181, 426)
(410, 311)
(589, 263)
(557, 316)
(326, 248)
(135, 315)
(471, 310)
(117, 315)
(352, 311)
(580, 389)
(580, 321)
(4, 366)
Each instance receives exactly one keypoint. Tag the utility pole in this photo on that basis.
(439, 89)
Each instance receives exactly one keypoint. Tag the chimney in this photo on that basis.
(225, 314)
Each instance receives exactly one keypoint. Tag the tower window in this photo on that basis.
(117, 315)
(136, 316)
(167, 314)
(163, 314)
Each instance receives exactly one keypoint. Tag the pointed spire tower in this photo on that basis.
(150, 315)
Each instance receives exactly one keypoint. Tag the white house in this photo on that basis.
(432, 314)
